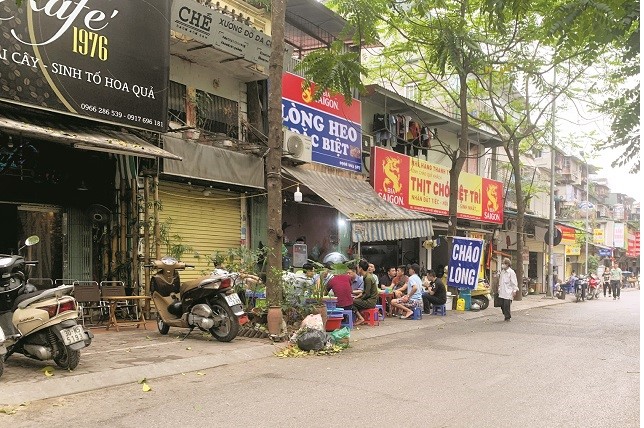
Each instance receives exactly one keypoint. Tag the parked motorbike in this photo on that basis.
(38, 324)
(528, 283)
(3, 351)
(581, 285)
(560, 291)
(593, 287)
(481, 294)
(208, 303)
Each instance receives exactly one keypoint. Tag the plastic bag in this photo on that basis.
(311, 340)
(313, 322)
(341, 333)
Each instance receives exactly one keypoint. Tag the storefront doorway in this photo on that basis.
(22, 221)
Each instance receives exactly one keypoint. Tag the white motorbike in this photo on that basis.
(38, 324)
(3, 351)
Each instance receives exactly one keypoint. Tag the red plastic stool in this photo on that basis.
(371, 316)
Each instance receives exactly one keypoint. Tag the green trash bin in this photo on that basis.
(466, 294)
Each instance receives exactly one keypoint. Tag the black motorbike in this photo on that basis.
(581, 285)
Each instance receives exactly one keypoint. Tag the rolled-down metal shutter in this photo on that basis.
(204, 223)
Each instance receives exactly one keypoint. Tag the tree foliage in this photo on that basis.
(612, 25)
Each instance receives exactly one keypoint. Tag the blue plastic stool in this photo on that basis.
(347, 318)
(381, 312)
(439, 310)
(418, 313)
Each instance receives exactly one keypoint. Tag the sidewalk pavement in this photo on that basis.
(117, 358)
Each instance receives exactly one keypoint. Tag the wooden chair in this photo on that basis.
(117, 288)
(88, 297)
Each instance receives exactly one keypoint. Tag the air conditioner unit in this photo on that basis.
(510, 225)
(297, 146)
(560, 198)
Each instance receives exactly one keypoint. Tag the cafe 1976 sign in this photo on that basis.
(103, 59)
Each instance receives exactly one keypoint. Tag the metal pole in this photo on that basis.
(587, 209)
(551, 233)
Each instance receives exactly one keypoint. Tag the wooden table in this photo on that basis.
(113, 300)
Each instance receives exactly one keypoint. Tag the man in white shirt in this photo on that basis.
(508, 287)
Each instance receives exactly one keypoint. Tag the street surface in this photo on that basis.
(566, 365)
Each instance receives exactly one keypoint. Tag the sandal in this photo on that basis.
(411, 314)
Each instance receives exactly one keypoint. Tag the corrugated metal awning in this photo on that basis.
(57, 129)
(372, 218)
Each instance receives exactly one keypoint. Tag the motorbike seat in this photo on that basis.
(24, 297)
(199, 282)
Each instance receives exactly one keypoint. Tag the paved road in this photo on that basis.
(570, 365)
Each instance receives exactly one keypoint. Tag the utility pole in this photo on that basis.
(587, 207)
(551, 233)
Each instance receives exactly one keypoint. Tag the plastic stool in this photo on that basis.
(381, 312)
(347, 318)
(439, 310)
(371, 316)
(418, 313)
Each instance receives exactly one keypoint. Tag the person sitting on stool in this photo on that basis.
(436, 293)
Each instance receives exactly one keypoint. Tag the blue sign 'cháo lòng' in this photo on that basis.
(464, 263)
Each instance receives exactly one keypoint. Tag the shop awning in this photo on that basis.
(213, 164)
(372, 218)
(79, 134)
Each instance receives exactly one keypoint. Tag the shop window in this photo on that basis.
(177, 102)
(217, 114)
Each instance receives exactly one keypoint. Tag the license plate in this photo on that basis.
(73, 334)
(233, 299)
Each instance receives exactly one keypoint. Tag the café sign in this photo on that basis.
(106, 60)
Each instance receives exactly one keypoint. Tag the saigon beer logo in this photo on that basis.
(307, 95)
(391, 168)
(492, 193)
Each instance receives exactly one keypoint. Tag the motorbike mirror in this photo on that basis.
(32, 240)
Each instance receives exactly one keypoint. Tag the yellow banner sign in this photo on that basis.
(573, 250)
(598, 236)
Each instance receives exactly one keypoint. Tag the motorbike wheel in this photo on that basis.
(163, 327)
(70, 358)
(1, 366)
(483, 301)
(524, 291)
(229, 327)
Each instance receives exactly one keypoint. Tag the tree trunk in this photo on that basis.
(516, 168)
(458, 160)
(274, 156)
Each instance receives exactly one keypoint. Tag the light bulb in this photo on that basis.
(297, 196)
